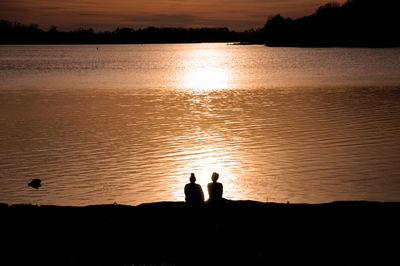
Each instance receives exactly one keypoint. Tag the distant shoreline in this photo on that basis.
(227, 203)
(226, 42)
(235, 233)
(245, 43)
(355, 23)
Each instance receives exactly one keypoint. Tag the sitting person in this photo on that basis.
(193, 192)
(215, 190)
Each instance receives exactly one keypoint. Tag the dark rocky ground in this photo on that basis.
(172, 233)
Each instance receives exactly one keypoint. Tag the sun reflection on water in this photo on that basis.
(207, 78)
(206, 69)
(204, 150)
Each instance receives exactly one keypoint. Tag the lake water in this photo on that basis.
(129, 123)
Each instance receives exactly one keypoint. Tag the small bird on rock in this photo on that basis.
(35, 183)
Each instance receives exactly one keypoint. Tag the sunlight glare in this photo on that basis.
(206, 68)
(207, 78)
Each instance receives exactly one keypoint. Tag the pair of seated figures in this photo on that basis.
(194, 193)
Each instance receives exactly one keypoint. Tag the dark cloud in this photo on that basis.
(171, 20)
(184, 20)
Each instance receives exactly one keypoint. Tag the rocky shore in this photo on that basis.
(172, 233)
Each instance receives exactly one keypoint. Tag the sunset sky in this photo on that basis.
(109, 14)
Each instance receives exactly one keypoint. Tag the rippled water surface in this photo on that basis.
(129, 123)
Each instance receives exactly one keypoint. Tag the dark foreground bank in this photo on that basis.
(171, 233)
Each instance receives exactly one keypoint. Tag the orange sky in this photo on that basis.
(109, 14)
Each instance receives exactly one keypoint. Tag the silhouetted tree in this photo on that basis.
(355, 23)
(18, 33)
(277, 29)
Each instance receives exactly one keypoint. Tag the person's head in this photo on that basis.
(192, 178)
(214, 177)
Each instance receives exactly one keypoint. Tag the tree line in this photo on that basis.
(17, 33)
(373, 23)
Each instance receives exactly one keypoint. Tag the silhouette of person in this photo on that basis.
(193, 192)
(215, 189)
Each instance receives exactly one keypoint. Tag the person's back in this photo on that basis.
(193, 192)
(215, 190)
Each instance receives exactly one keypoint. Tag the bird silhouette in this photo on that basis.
(35, 183)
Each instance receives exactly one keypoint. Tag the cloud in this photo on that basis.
(173, 20)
